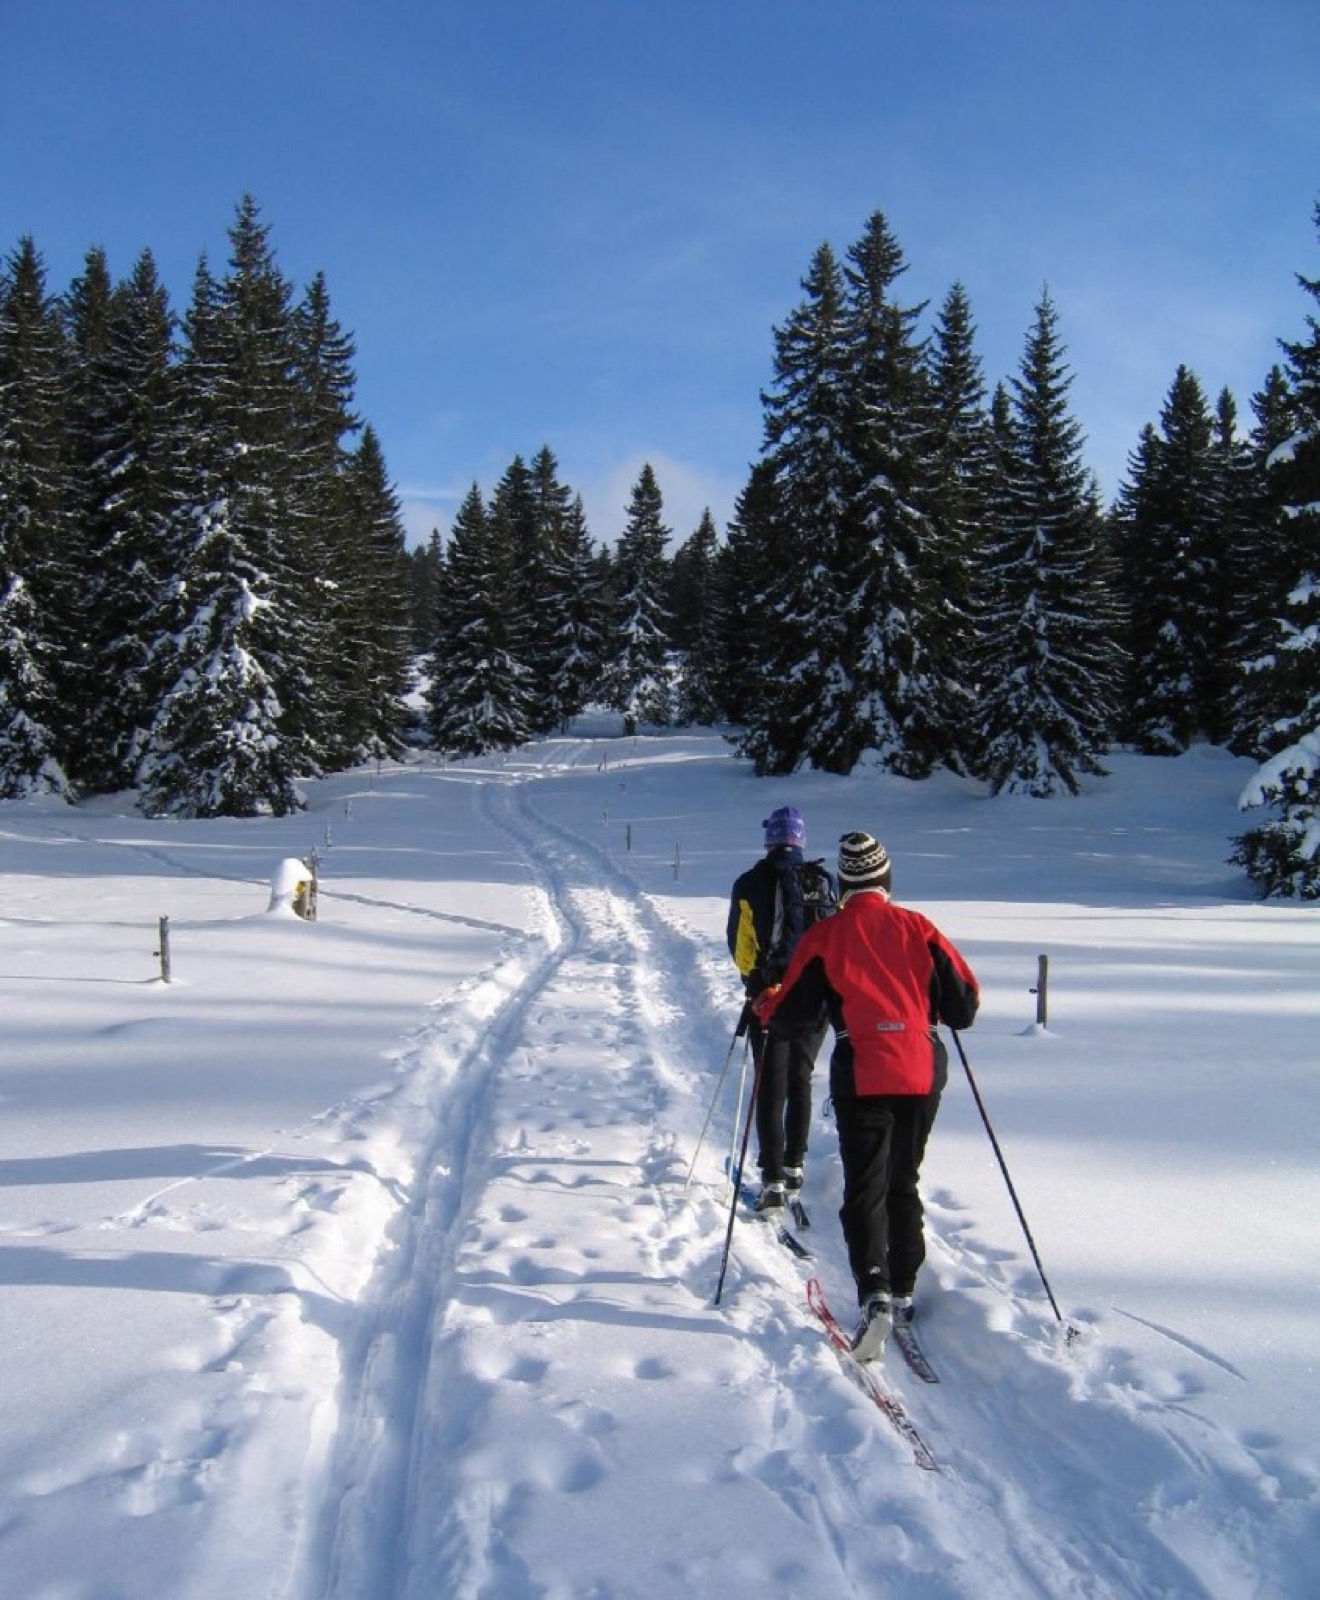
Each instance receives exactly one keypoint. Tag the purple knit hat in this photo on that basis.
(785, 826)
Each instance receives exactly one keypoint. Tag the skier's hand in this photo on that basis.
(765, 1003)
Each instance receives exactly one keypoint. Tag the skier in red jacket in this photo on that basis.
(888, 976)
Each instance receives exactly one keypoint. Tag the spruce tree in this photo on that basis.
(638, 678)
(371, 622)
(1050, 662)
(89, 486)
(425, 563)
(133, 482)
(37, 615)
(755, 659)
(1282, 853)
(698, 623)
(548, 563)
(576, 615)
(224, 742)
(1263, 580)
(1170, 531)
(962, 485)
(478, 697)
(807, 416)
(885, 690)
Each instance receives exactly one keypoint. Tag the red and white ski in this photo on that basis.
(869, 1381)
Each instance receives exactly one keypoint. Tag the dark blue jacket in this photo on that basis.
(765, 918)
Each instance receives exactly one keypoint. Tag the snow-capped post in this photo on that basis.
(293, 888)
(1041, 991)
(164, 951)
(678, 858)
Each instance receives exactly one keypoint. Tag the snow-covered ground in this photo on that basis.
(357, 1262)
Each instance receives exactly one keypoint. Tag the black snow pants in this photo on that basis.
(882, 1139)
(783, 1097)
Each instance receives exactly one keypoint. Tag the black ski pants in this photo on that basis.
(783, 1096)
(882, 1139)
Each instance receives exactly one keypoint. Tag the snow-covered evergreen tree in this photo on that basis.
(547, 562)
(1263, 579)
(961, 487)
(479, 695)
(576, 610)
(37, 589)
(132, 451)
(803, 663)
(885, 691)
(637, 672)
(695, 606)
(753, 658)
(1050, 661)
(425, 565)
(1169, 531)
(1282, 853)
(233, 652)
(372, 625)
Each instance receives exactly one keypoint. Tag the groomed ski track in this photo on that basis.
(537, 1352)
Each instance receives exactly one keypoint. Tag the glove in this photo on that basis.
(765, 1003)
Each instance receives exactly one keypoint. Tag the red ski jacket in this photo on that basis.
(888, 976)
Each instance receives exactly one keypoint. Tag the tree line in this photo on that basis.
(204, 590)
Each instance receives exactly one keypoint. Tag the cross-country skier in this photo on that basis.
(767, 917)
(888, 976)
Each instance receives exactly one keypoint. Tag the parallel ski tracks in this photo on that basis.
(383, 1445)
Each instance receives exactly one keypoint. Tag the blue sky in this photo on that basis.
(576, 222)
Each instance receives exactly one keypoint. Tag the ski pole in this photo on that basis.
(737, 1175)
(999, 1156)
(737, 1106)
(738, 1033)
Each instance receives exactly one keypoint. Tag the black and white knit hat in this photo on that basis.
(863, 863)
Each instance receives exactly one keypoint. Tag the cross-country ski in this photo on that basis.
(869, 1380)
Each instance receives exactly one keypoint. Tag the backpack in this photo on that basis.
(817, 890)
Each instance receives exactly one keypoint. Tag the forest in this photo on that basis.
(206, 594)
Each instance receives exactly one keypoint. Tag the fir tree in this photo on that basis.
(576, 612)
(754, 658)
(884, 691)
(89, 486)
(372, 626)
(1169, 529)
(478, 697)
(426, 564)
(1049, 660)
(961, 490)
(698, 624)
(1263, 580)
(548, 562)
(638, 680)
(35, 583)
(1282, 853)
(224, 741)
(133, 482)
(807, 414)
